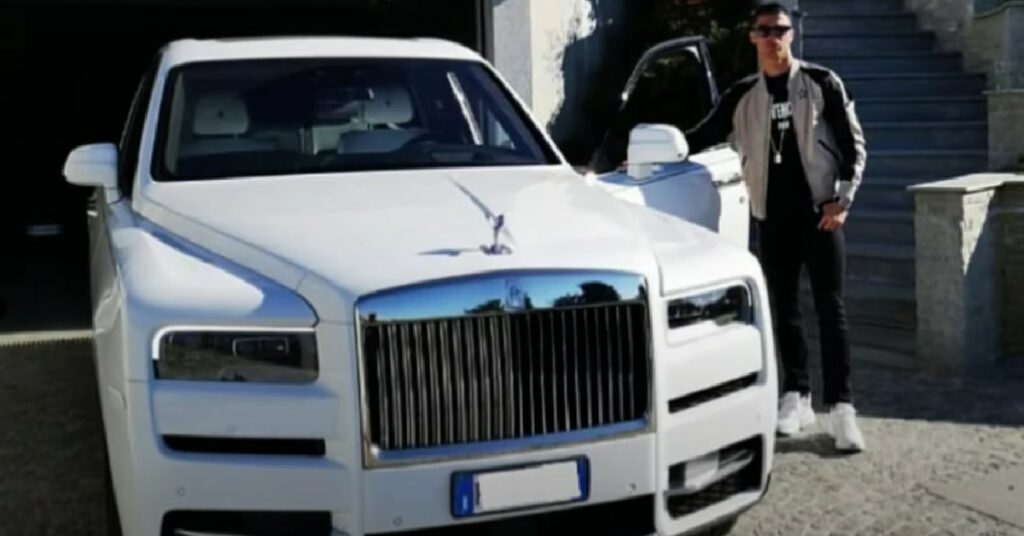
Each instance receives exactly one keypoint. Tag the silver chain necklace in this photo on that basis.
(782, 132)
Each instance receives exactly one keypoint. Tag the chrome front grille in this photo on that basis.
(577, 361)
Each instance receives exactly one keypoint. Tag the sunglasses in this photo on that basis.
(771, 31)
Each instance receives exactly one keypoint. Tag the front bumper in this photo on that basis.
(165, 491)
(626, 472)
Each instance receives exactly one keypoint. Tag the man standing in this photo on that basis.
(802, 153)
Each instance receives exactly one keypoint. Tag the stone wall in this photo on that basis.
(1011, 261)
(949, 19)
(969, 238)
(1006, 129)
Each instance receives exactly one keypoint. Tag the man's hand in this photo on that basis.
(833, 215)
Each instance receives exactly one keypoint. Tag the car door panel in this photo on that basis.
(673, 84)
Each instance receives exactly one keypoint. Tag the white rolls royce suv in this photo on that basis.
(350, 286)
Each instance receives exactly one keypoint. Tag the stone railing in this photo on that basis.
(970, 271)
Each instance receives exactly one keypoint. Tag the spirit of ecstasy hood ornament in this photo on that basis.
(497, 222)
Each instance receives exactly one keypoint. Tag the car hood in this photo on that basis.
(352, 234)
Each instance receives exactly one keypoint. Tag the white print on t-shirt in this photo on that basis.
(782, 112)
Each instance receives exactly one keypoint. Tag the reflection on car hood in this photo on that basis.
(363, 232)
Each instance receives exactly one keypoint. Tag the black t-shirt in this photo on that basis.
(789, 195)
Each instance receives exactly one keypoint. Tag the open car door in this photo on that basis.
(673, 84)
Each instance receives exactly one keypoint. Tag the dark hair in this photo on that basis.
(769, 8)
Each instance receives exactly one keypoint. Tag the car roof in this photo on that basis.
(196, 50)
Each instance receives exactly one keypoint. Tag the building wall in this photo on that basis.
(552, 53)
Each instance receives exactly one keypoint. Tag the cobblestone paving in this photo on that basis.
(920, 431)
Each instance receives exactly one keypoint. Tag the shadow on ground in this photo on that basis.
(992, 396)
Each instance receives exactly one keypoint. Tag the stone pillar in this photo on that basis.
(1006, 128)
(1011, 262)
(958, 288)
(995, 45)
(949, 19)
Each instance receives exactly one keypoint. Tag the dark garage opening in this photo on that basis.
(69, 71)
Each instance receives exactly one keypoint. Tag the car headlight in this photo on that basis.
(723, 306)
(236, 356)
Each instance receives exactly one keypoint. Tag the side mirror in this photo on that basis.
(93, 165)
(652, 144)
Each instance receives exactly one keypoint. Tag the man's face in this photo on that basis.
(773, 37)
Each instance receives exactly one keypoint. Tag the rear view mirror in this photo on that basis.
(653, 144)
(93, 165)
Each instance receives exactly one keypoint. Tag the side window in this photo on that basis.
(672, 88)
(131, 136)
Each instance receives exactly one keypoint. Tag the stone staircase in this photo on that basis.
(924, 119)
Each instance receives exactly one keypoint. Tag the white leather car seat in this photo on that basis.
(388, 106)
(220, 123)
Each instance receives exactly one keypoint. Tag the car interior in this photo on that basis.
(312, 122)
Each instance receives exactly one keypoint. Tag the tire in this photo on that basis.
(721, 529)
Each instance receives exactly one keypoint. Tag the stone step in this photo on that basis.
(864, 24)
(889, 62)
(873, 225)
(837, 43)
(872, 304)
(933, 135)
(964, 108)
(881, 263)
(815, 8)
(925, 164)
(884, 193)
(915, 85)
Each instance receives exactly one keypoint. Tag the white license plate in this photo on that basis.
(523, 487)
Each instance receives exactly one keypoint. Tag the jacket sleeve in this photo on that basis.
(718, 125)
(841, 118)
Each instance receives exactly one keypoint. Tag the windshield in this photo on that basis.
(274, 117)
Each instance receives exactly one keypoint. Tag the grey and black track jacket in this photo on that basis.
(828, 134)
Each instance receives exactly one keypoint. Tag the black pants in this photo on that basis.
(784, 248)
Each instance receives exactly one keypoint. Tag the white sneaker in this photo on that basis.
(843, 427)
(795, 413)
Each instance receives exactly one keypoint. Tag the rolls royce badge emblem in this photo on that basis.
(515, 296)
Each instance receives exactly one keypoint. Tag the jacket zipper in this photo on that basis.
(830, 150)
(767, 149)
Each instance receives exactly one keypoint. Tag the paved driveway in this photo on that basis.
(924, 435)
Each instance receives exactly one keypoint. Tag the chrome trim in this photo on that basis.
(727, 468)
(488, 294)
(493, 448)
(184, 328)
(478, 300)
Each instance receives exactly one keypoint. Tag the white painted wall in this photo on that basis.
(549, 48)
